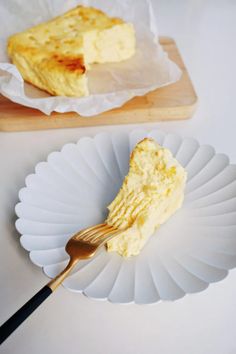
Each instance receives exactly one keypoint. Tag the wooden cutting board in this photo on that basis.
(175, 101)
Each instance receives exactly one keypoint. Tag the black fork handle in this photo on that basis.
(15, 320)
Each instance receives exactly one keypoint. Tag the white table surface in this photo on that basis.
(202, 323)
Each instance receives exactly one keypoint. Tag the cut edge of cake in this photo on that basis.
(146, 208)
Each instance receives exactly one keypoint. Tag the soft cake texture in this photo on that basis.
(54, 55)
(151, 192)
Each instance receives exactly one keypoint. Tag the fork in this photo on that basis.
(82, 245)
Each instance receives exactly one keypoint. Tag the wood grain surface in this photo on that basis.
(175, 101)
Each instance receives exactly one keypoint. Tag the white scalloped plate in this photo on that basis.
(70, 191)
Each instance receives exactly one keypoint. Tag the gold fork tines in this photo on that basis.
(83, 245)
(88, 234)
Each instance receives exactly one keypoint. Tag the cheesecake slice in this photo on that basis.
(55, 55)
(151, 192)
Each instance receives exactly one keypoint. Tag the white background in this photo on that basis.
(203, 323)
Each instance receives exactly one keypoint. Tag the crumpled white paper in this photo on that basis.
(110, 85)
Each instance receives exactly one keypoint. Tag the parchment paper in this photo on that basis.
(110, 85)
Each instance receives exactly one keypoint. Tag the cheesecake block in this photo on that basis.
(55, 55)
(151, 192)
